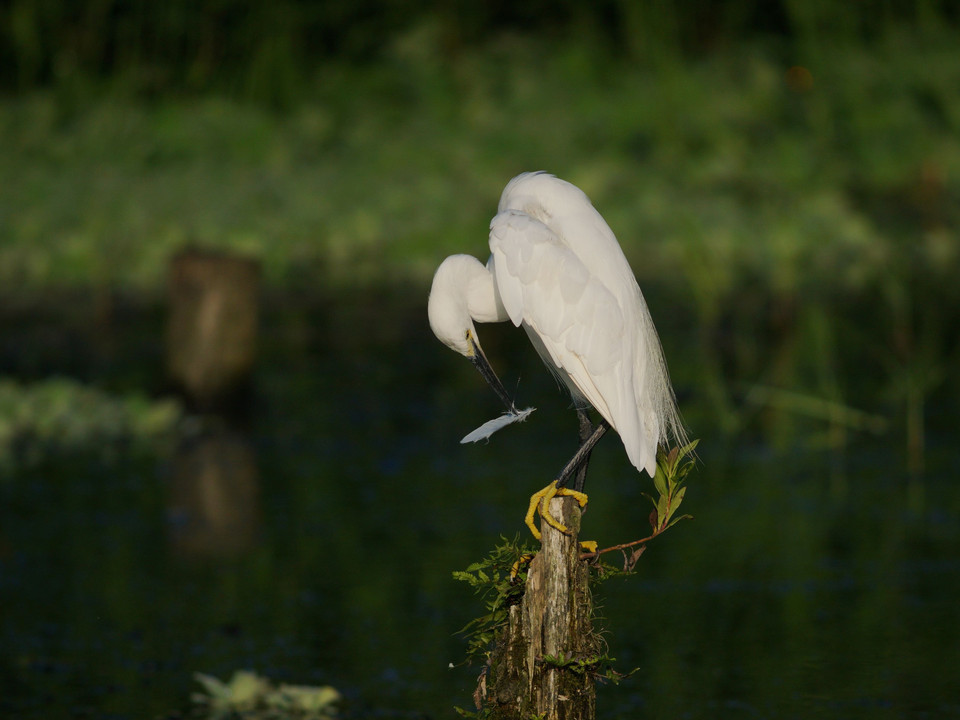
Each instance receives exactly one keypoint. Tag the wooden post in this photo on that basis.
(212, 332)
(554, 620)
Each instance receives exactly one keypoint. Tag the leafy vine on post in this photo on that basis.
(540, 652)
(672, 471)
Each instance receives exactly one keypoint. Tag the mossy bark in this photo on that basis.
(554, 620)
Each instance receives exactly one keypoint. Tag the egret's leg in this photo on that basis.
(583, 453)
(540, 501)
(586, 430)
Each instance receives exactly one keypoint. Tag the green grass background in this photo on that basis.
(795, 200)
(833, 172)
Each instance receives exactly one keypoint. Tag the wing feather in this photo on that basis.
(576, 322)
(562, 275)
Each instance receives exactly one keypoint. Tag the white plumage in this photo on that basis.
(559, 272)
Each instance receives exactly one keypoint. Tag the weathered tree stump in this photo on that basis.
(554, 620)
(212, 332)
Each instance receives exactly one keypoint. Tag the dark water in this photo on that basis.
(318, 544)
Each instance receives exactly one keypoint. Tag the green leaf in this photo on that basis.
(314, 701)
(671, 459)
(663, 509)
(675, 502)
(660, 480)
(688, 448)
(490, 579)
(678, 519)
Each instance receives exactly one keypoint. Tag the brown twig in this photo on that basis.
(621, 546)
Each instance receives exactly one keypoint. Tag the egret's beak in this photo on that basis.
(483, 366)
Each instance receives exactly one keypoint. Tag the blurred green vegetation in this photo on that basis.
(791, 195)
(735, 166)
(64, 417)
(792, 143)
(248, 696)
(269, 51)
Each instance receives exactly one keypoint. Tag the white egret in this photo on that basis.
(557, 270)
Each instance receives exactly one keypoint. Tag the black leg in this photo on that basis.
(586, 430)
(589, 436)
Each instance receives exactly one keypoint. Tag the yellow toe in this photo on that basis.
(580, 497)
(518, 565)
(535, 499)
(545, 511)
(540, 503)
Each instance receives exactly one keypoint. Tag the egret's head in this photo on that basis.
(463, 291)
(448, 308)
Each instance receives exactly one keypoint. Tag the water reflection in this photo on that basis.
(214, 503)
(325, 555)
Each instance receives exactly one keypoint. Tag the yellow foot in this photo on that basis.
(518, 565)
(540, 502)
